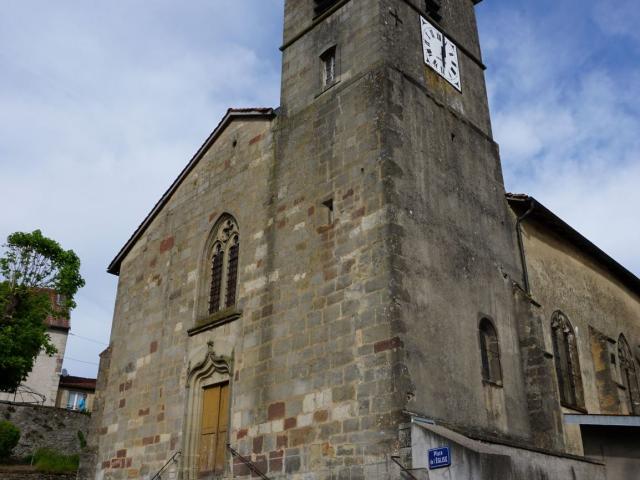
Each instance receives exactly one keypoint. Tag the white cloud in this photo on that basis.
(568, 123)
(102, 105)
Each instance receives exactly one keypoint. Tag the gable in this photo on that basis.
(262, 114)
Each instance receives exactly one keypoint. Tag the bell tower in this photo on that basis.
(395, 90)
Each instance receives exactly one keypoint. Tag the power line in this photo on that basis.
(81, 361)
(88, 339)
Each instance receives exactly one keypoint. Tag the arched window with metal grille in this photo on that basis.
(629, 376)
(565, 350)
(490, 353)
(223, 261)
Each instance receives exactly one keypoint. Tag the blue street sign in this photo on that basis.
(439, 458)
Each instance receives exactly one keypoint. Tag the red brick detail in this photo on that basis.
(156, 439)
(311, 211)
(117, 462)
(147, 441)
(242, 433)
(167, 244)
(257, 444)
(122, 403)
(121, 453)
(275, 465)
(282, 208)
(330, 274)
(320, 416)
(143, 412)
(358, 213)
(348, 194)
(153, 347)
(255, 139)
(261, 463)
(291, 422)
(129, 461)
(276, 411)
(160, 417)
(106, 464)
(266, 311)
(240, 469)
(389, 344)
(282, 441)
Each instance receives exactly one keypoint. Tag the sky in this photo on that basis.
(103, 103)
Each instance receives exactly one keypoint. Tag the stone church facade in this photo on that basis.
(332, 288)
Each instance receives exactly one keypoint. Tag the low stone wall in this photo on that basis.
(45, 427)
(25, 474)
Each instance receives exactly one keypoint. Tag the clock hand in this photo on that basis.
(444, 52)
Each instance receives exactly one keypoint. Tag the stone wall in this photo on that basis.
(35, 476)
(45, 427)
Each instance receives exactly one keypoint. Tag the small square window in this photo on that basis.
(328, 59)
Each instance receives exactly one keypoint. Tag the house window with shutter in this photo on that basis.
(565, 350)
(490, 353)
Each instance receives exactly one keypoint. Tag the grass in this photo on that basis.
(50, 461)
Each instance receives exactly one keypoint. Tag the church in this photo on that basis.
(341, 287)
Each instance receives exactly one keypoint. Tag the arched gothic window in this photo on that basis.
(629, 375)
(567, 363)
(224, 266)
(490, 352)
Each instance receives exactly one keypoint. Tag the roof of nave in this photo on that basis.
(231, 115)
(529, 207)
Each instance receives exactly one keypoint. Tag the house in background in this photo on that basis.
(72, 389)
(41, 386)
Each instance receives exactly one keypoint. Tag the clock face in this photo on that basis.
(433, 46)
(451, 65)
(440, 53)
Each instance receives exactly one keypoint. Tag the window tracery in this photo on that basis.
(224, 266)
(629, 376)
(567, 363)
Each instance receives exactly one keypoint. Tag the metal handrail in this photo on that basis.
(395, 459)
(247, 462)
(174, 458)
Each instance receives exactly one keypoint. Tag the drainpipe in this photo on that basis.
(523, 258)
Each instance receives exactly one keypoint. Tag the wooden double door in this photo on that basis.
(213, 431)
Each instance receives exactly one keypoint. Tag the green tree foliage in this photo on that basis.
(9, 437)
(32, 267)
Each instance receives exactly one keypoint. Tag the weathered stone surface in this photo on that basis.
(374, 237)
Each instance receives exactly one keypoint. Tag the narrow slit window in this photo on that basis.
(490, 353)
(328, 59)
(322, 6)
(328, 204)
(433, 9)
